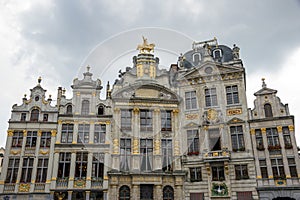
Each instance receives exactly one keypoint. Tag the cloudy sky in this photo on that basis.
(57, 39)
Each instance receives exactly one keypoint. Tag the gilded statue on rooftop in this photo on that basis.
(145, 47)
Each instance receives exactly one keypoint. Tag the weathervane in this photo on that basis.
(145, 47)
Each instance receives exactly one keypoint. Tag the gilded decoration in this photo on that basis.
(236, 111)
(212, 114)
(291, 128)
(136, 110)
(24, 133)
(191, 116)
(176, 148)
(175, 111)
(252, 131)
(259, 177)
(10, 133)
(80, 183)
(145, 47)
(24, 187)
(263, 130)
(279, 129)
(157, 146)
(53, 133)
(39, 133)
(135, 146)
(116, 146)
(15, 152)
(44, 152)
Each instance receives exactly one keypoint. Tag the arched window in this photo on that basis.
(101, 110)
(217, 53)
(168, 193)
(34, 117)
(124, 193)
(69, 109)
(85, 107)
(196, 58)
(268, 110)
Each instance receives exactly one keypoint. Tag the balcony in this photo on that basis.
(96, 183)
(9, 187)
(62, 182)
(39, 187)
(221, 155)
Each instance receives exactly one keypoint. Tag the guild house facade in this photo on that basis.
(180, 133)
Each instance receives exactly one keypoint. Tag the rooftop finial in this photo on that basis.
(39, 80)
(145, 47)
(264, 85)
(88, 68)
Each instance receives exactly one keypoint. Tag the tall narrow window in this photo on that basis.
(69, 110)
(218, 173)
(293, 168)
(146, 120)
(124, 193)
(100, 132)
(217, 53)
(214, 139)
(98, 166)
(237, 138)
(27, 170)
(34, 117)
(45, 117)
(85, 107)
(241, 172)
(263, 168)
(166, 121)
(126, 117)
(12, 170)
(45, 139)
(125, 152)
(272, 137)
(190, 100)
(17, 139)
(277, 168)
(41, 173)
(211, 97)
(81, 165)
(193, 142)
(23, 117)
(168, 193)
(232, 95)
(287, 137)
(196, 58)
(195, 174)
(83, 133)
(67, 133)
(64, 165)
(146, 150)
(31, 139)
(101, 110)
(259, 140)
(167, 154)
(146, 192)
(268, 110)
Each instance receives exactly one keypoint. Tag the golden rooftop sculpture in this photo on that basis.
(145, 47)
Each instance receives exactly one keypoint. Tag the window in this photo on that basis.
(85, 107)
(146, 150)
(12, 170)
(41, 173)
(263, 168)
(81, 165)
(146, 120)
(193, 142)
(34, 117)
(69, 110)
(190, 100)
(166, 121)
(67, 133)
(237, 138)
(217, 53)
(232, 95)
(146, 192)
(259, 140)
(195, 174)
(124, 193)
(45, 117)
(277, 168)
(17, 139)
(268, 110)
(218, 173)
(45, 139)
(211, 97)
(214, 139)
(196, 196)
(287, 138)
(241, 172)
(83, 133)
(23, 117)
(126, 119)
(272, 137)
(125, 151)
(167, 154)
(196, 58)
(98, 166)
(64, 165)
(244, 195)
(99, 134)
(26, 170)
(101, 110)
(292, 166)
(168, 193)
(31, 139)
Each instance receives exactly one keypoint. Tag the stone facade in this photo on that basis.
(182, 133)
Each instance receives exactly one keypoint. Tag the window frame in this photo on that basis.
(191, 100)
(125, 154)
(167, 154)
(85, 107)
(67, 131)
(146, 120)
(34, 115)
(241, 172)
(42, 168)
(166, 120)
(218, 173)
(81, 165)
(31, 139)
(237, 138)
(17, 139)
(12, 170)
(263, 168)
(146, 152)
(27, 168)
(193, 142)
(99, 133)
(211, 98)
(232, 95)
(126, 119)
(45, 139)
(195, 174)
(64, 162)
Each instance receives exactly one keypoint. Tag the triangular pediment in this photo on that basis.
(265, 91)
(235, 120)
(191, 125)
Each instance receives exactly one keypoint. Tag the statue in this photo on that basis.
(145, 47)
(236, 52)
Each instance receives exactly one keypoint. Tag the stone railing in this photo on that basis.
(96, 182)
(9, 187)
(62, 182)
(39, 187)
(213, 155)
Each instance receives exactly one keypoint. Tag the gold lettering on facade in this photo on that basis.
(191, 116)
(236, 111)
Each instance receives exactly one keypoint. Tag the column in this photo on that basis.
(135, 193)
(295, 150)
(258, 172)
(89, 170)
(284, 158)
(115, 140)
(92, 132)
(178, 192)
(75, 132)
(136, 141)
(59, 128)
(157, 162)
(72, 170)
(52, 163)
(105, 195)
(106, 168)
(53, 167)
(158, 193)
(87, 195)
(268, 161)
(177, 151)
(70, 195)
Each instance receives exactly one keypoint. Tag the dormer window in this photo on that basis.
(69, 110)
(23, 117)
(196, 57)
(45, 117)
(85, 107)
(34, 117)
(101, 110)
(268, 110)
(217, 53)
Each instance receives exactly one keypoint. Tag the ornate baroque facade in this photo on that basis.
(182, 133)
